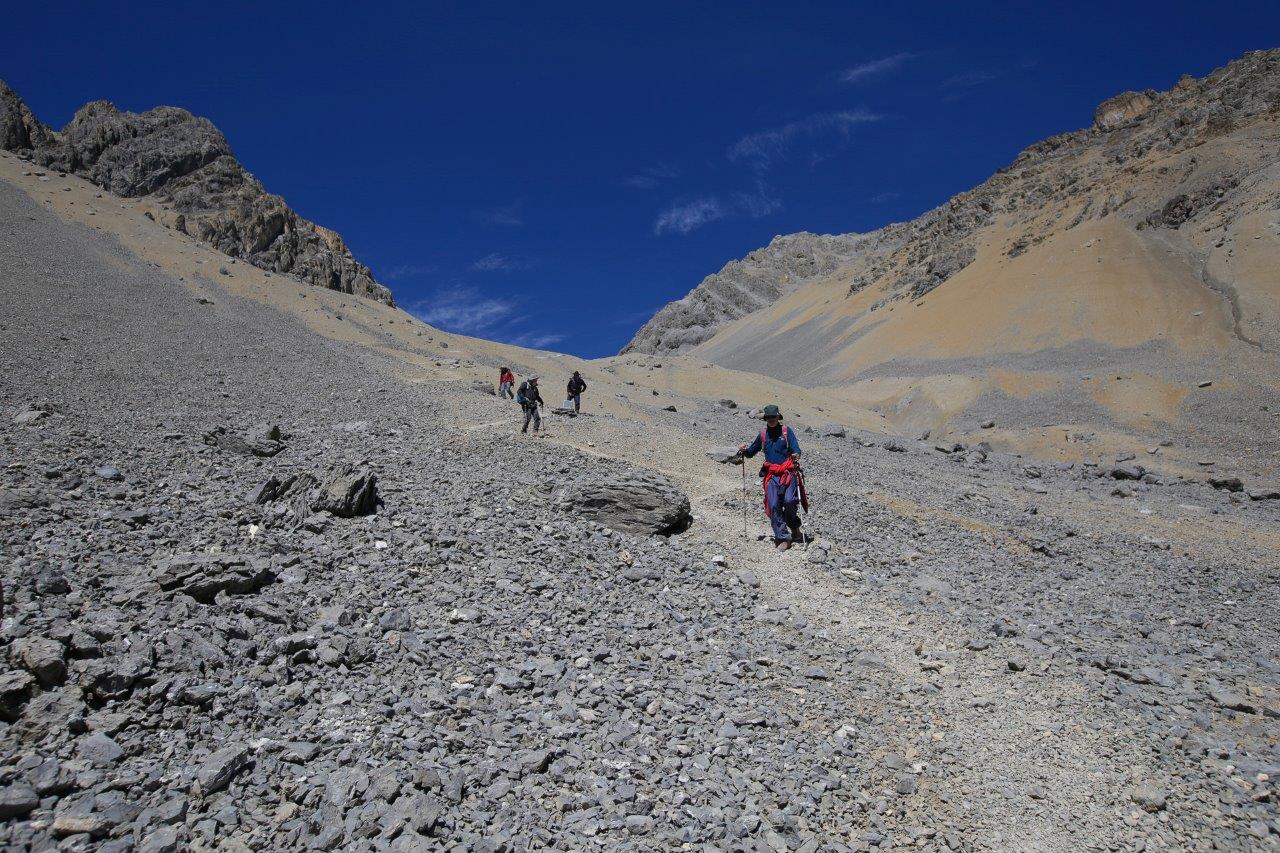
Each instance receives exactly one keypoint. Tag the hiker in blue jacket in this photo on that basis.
(783, 487)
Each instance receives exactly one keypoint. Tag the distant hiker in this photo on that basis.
(530, 399)
(576, 386)
(783, 486)
(505, 380)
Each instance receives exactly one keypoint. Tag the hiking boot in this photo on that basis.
(782, 546)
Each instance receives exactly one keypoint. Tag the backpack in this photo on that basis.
(520, 393)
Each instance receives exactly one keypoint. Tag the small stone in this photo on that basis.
(108, 472)
(1149, 797)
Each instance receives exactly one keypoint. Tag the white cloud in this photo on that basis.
(684, 217)
(494, 262)
(462, 310)
(533, 340)
(758, 203)
(761, 149)
(874, 67)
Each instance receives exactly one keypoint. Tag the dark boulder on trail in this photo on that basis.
(633, 502)
(203, 576)
(347, 492)
(263, 440)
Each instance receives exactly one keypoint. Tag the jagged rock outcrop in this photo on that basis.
(743, 286)
(186, 163)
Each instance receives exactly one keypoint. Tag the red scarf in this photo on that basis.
(784, 473)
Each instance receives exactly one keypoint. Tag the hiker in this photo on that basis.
(576, 386)
(505, 380)
(783, 488)
(530, 399)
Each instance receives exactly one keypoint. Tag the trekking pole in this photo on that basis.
(743, 463)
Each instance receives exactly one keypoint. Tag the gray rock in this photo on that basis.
(1227, 484)
(833, 431)
(633, 502)
(162, 840)
(44, 658)
(99, 749)
(724, 455)
(1149, 797)
(108, 472)
(265, 440)
(17, 800)
(203, 576)
(348, 491)
(217, 771)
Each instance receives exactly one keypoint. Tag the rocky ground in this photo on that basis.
(208, 644)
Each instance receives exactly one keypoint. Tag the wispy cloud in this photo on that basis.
(968, 80)
(463, 310)
(508, 214)
(494, 262)
(761, 150)
(757, 203)
(881, 198)
(404, 271)
(535, 340)
(686, 216)
(647, 179)
(858, 73)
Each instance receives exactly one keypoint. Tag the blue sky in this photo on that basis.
(551, 174)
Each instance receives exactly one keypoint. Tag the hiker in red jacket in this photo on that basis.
(506, 380)
(783, 489)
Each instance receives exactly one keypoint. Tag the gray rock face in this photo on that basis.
(185, 161)
(756, 281)
(633, 502)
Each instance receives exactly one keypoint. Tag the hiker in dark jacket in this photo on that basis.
(782, 487)
(530, 399)
(576, 386)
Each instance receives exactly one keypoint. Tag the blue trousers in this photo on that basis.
(783, 513)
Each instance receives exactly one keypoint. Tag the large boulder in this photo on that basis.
(263, 440)
(633, 502)
(203, 576)
(348, 491)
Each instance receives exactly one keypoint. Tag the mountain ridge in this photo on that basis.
(931, 249)
(186, 164)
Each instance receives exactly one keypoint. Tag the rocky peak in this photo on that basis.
(1122, 108)
(184, 162)
(742, 286)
